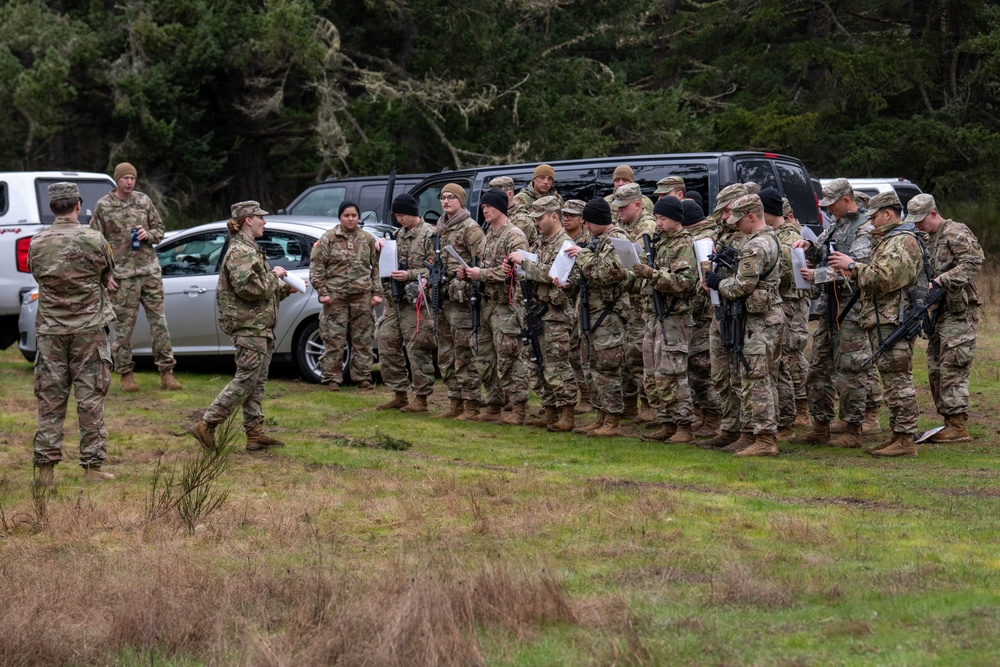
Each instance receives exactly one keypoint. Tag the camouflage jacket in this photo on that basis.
(583, 238)
(851, 235)
(701, 305)
(757, 274)
(493, 249)
(544, 291)
(413, 248)
(603, 272)
(249, 292)
(526, 224)
(115, 219)
(892, 269)
(676, 275)
(526, 197)
(956, 257)
(344, 264)
(72, 265)
(462, 233)
(788, 233)
(647, 208)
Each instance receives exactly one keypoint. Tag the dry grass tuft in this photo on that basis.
(744, 585)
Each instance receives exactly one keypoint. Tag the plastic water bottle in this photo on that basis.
(136, 243)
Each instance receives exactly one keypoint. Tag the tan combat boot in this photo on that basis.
(647, 415)
(631, 408)
(169, 382)
(399, 400)
(609, 428)
(517, 414)
(699, 418)
(903, 446)
(490, 414)
(566, 421)
(584, 407)
(454, 411)
(711, 421)
(683, 434)
(882, 445)
(46, 474)
(666, 431)
(819, 435)
(549, 415)
(258, 440)
(471, 411)
(365, 385)
(850, 438)
(785, 432)
(801, 412)
(204, 433)
(871, 425)
(598, 423)
(764, 444)
(838, 426)
(94, 474)
(419, 404)
(128, 384)
(722, 439)
(744, 441)
(954, 430)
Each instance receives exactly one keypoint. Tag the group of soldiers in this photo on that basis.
(715, 350)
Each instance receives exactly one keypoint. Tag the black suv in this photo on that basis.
(705, 173)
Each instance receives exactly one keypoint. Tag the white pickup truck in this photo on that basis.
(24, 211)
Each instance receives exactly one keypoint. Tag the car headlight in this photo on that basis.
(29, 297)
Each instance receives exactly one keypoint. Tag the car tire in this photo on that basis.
(309, 349)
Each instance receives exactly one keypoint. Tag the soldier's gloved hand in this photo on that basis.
(643, 270)
(713, 280)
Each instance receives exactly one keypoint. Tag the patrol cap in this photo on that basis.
(626, 194)
(246, 209)
(502, 182)
(544, 205)
(752, 188)
(63, 190)
(665, 186)
(919, 207)
(835, 189)
(728, 195)
(573, 206)
(861, 199)
(744, 206)
(884, 200)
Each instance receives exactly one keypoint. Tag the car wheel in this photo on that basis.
(309, 349)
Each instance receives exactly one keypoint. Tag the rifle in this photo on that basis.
(397, 291)
(917, 319)
(647, 245)
(585, 306)
(731, 314)
(532, 323)
(474, 308)
(725, 256)
(436, 280)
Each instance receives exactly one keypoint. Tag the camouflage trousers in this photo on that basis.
(896, 369)
(399, 340)
(949, 360)
(699, 368)
(555, 381)
(500, 362)
(634, 371)
(246, 389)
(81, 362)
(835, 369)
(347, 317)
(607, 363)
(762, 349)
(456, 357)
(671, 393)
(727, 381)
(581, 365)
(789, 376)
(131, 293)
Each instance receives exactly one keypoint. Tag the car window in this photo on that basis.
(797, 187)
(90, 192)
(3, 198)
(321, 201)
(196, 255)
(285, 249)
(906, 193)
(756, 171)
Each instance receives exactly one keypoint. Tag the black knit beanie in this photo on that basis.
(693, 213)
(405, 204)
(669, 207)
(597, 212)
(496, 198)
(771, 199)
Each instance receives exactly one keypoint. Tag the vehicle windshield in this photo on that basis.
(321, 201)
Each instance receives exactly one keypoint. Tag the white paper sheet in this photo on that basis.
(702, 249)
(454, 253)
(387, 262)
(296, 282)
(799, 263)
(529, 256)
(563, 264)
(626, 253)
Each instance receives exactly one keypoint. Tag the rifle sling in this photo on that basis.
(607, 311)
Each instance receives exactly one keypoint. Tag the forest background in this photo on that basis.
(216, 101)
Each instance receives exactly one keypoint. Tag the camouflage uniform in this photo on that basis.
(454, 323)
(500, 362)
(399, 329)
(72, 265)
(635, 379)
(725, 377)
(955, 259)
(699, 361)
(790, 378)
(892, 270)
(579, 359)
(137, 273)
(344, 266)
(835, 367)
(608, 319)
(555, 382)
(647, 208)
(521, 207)
(247, 303)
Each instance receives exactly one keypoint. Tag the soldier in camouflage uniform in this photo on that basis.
(725, 377)
(886, 279)
(399, 329)
(554, 380)
(624, 175)
(796, 324)
(343, 269)
(518, 214)
(674, 278)
(137, 278)
(839, 345)
(955, 259)
(638, 382)
(500, 362)
(457, 228)
(600, 267)
(756, 282)
(247, 301)
(572, 216)
(73, 267)
(671, 186)
(542, 185)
